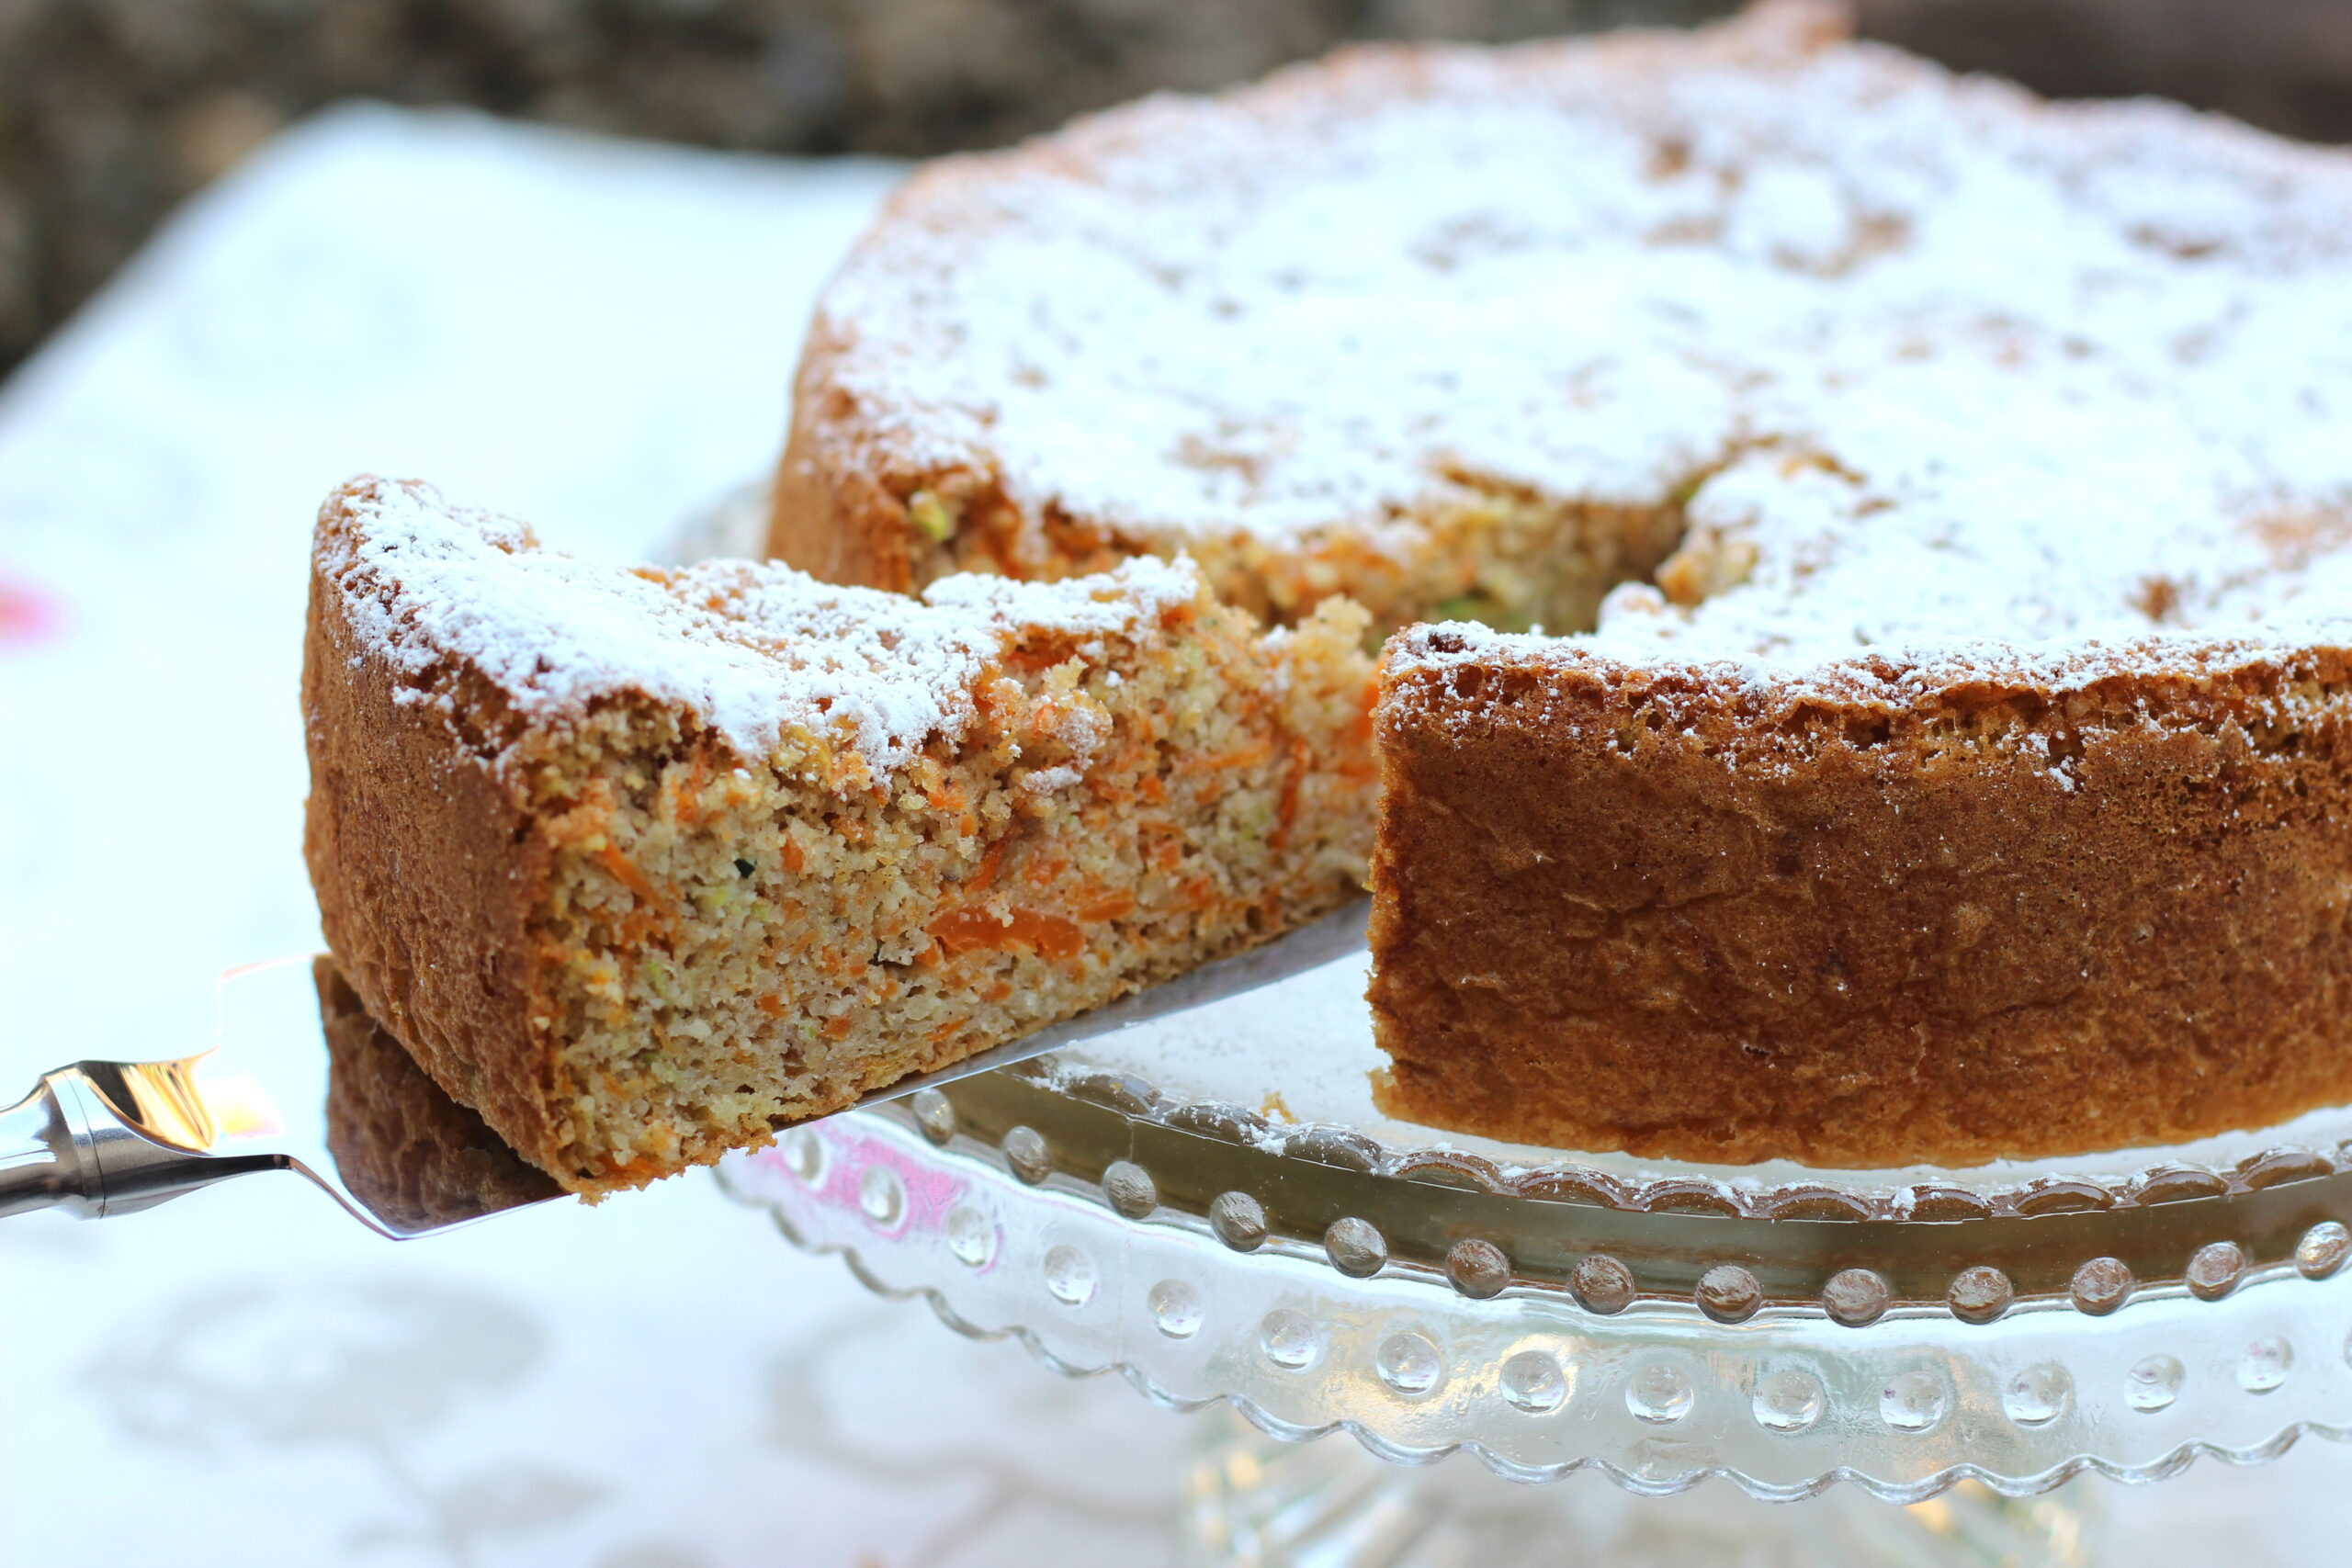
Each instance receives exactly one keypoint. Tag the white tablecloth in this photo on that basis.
(597, 337)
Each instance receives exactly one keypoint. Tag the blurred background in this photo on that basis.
(112, 111)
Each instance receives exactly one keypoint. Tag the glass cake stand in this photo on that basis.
(1961, 1346)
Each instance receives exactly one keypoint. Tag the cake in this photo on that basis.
(1866, 551)
(642, 864)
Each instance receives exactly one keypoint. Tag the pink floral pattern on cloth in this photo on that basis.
(27, 616)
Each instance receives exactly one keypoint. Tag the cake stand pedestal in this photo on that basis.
(1257, 1501)
(1957, 1354)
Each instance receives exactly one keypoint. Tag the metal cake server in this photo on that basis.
(302, 1080)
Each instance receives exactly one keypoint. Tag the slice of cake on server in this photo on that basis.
(641, 864)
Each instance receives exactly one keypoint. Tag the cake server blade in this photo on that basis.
(302, 1080)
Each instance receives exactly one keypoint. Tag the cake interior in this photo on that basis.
(1502, 555)
(726, 948)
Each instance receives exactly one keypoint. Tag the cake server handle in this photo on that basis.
(105, 1138)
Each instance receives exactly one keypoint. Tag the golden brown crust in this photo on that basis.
(425, 886)
(1620, 909)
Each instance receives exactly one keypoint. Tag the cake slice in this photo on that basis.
(643, 864)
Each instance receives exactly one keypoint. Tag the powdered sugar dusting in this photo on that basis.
(755, 650)
(1914, 674)
(1956, 365)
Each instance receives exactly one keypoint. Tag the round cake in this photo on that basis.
(1867, 551)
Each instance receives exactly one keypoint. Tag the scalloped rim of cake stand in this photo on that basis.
(2173, 1462)
(2316, 1144)
(1127, 1174)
